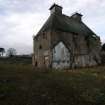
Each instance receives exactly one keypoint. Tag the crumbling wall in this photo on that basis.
(61, 56)
(84, 61)
(41, 55)
(81, 52)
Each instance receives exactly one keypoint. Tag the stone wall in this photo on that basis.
(41, 48)
(82, 52)
(84, 61)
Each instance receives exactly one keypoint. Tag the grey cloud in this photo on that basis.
(17, 30)
(23, 18)
(22, 6)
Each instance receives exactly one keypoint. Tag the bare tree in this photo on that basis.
(11, 52)
(2, 51)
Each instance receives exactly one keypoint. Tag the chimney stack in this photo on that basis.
(55, 9)
(77, 16)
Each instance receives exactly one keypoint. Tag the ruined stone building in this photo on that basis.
(65, 42)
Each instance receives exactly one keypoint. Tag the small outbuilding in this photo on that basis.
(65, 42)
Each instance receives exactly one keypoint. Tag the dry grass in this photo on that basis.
(21, 85)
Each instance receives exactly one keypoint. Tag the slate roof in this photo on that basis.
(66, 24)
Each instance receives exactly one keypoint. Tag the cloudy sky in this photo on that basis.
(20, 19)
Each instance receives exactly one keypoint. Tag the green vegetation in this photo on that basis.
(20, 84)
(16, 60)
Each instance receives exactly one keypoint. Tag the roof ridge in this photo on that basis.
(66, 24)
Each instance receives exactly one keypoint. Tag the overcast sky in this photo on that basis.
(20, 19)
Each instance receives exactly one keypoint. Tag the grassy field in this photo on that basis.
(20, 84)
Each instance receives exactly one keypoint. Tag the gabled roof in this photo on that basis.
(65, 24)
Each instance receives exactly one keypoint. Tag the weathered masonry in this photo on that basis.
(65, 42)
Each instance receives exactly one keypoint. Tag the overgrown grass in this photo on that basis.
(20, 84)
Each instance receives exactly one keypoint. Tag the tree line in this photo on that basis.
(10, 52)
